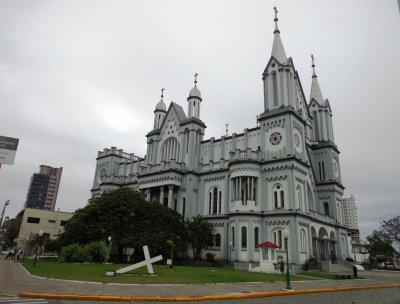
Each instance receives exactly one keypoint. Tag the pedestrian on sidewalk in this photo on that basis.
(19, 252)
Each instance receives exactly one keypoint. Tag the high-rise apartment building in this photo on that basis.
(43, 188)
(350, 213)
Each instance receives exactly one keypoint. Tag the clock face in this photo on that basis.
(335, 168)
(102, 174)
(297, 140)
(275, 138)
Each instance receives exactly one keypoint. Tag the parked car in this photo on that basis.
(5, 252)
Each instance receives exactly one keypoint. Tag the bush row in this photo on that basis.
(95, 252)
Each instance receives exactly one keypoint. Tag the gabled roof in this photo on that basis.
(267, 244)
(179, 111)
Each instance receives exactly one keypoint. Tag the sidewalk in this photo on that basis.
(15, 280)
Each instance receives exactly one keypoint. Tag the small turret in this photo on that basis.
(194, 100)
(160, 111)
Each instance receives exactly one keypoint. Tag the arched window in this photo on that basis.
(183, 207)
(278, 238)
(275, 88)
(217, 240)
(170, 150)
(279, 196)
(326, 208)
(233, 237)
(256, 236)
(338, 213)
(214, 201)
(300, 198)
(244, 237)
(303, 246)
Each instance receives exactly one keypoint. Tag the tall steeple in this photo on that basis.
(316, 93)
(277, 47)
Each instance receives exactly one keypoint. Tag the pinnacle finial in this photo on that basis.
(162, 93)
(276, 20)
(195, 79)
(313, 66)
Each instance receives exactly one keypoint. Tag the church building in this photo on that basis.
(282, 176)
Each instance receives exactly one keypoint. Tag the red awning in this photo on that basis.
(267, 244)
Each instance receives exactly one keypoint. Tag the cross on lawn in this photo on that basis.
(147, 262)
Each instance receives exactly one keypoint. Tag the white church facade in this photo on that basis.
(283, 174)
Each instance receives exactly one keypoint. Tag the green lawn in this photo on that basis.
(163, 274)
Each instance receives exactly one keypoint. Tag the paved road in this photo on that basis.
(381, 296)
(14, 280)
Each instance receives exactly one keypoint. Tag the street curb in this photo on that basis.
(200, 298)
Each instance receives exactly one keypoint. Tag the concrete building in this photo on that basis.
(36, 220)
(350, 213)
(43, 188)
(282, 175)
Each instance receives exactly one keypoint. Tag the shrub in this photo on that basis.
(96, 252)
(306, 265)
(281, 266)
(210, 257)
(348, 259)
(74, 253)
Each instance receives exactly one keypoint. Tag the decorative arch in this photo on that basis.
(300, 201)
(277, 237)
(303, 240)
(310, 198)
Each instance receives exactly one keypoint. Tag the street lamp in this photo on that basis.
(37, 247)
(109, 247)
(230, 252)
(286, 237)
(7, 202)
(326, 250)
(27, 239)
(353, 245)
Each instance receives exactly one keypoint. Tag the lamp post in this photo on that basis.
(230, 252)
(326, 250)
(7, 202)
(286, 237)
(37, 247)
(109, 247)
(27, 239)
(353, 245)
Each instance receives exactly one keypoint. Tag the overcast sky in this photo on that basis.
(79, 76)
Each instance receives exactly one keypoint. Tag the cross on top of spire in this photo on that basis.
(162, 93)
(195, 79)
(313, 65)
(276, 20)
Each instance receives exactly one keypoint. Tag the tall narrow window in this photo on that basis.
(280, 239)
(323, 170)
(183, 207)
(209, 203)
(256, 241)
(275, 88)
(217, 240)
(233, 237)
(219, 202)
(326, 208)
(279, 196)
(244, 237)
(215, 200)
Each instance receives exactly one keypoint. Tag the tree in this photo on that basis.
(379, 245)
(391, 229)
(131, 222)
(199, 235)
(12, 227)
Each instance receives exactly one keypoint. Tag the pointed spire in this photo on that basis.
(315, 89)
(277, 47)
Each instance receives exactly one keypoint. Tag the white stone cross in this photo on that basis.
(147, 262)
